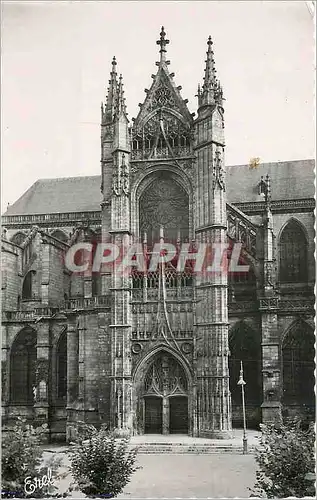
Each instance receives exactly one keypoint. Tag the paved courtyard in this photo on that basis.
(192, 476)
(186, 476)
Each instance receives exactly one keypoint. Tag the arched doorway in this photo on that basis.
(163, 396)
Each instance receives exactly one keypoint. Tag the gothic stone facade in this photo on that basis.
(160, 352)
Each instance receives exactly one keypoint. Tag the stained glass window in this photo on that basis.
(27, 291)
(18, 238)
(62, 367)
(298, 365)
(293, 254)
(245, 346)
(23, 367)
(164, 203)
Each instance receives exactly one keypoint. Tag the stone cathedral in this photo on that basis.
(159, 351)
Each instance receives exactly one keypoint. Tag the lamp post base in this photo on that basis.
(245, 446)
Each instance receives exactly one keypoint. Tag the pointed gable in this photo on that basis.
(163, 125)
(163, 95)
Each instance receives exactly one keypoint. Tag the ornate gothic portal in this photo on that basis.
(164, 203)
(164, 397)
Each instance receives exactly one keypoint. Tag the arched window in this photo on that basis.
(62, 367)
(23, 367)
(244, 345)
(293, 254)
(60, 235)
(95, 285)
(18, 238)
(164, 203)
(242, 286)
(27, 287)
(298, 365)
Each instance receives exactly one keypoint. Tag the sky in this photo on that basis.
(56, 59)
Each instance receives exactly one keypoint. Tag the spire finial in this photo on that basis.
(162, 42)
(211, 90)
(112, 92)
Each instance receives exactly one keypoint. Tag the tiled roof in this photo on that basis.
(289, 180)
(61, 195)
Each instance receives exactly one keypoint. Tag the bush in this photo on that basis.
(285, 460)
(22, 458)
(102, 464)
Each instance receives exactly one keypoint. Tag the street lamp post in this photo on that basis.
(242, 383)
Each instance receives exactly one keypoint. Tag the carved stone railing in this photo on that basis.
(241, 229)
(302, 304)
(242, 307)
(59, 219)
(278, 206)
(182, 293)
(44, 312)
(87, 302)
(178, 152)
(178, 334)
(18, 316)
(283, 304)
(151, 307)
(268, 303)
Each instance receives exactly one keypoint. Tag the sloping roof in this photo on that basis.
(61, 195)
(289, 180)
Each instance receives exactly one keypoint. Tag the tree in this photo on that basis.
(101, 463)
(285, 459)
(22, 459)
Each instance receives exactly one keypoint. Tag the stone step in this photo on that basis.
(193, 449)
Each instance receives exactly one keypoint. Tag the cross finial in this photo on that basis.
(114, 64)
(162, 42)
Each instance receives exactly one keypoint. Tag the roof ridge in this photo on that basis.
(273, 162)
(67, 178)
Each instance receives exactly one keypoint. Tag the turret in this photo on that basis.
(109, 107)
(211, 92)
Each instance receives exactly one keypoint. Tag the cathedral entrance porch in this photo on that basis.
(166, 415)
(163, 395)
(178, 421)
(153, 415)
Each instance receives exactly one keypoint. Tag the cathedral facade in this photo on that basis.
(160, 350)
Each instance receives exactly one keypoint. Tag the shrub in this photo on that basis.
(102, 464)
(285, 460)
(22, 458)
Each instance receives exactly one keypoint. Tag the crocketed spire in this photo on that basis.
(120, 106)
(211, 92)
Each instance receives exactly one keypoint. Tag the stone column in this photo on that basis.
(165, 416)
(5, 373)
(72, 374)
(269, 304)
(43, 385)
(271, 406)
(45, 273)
